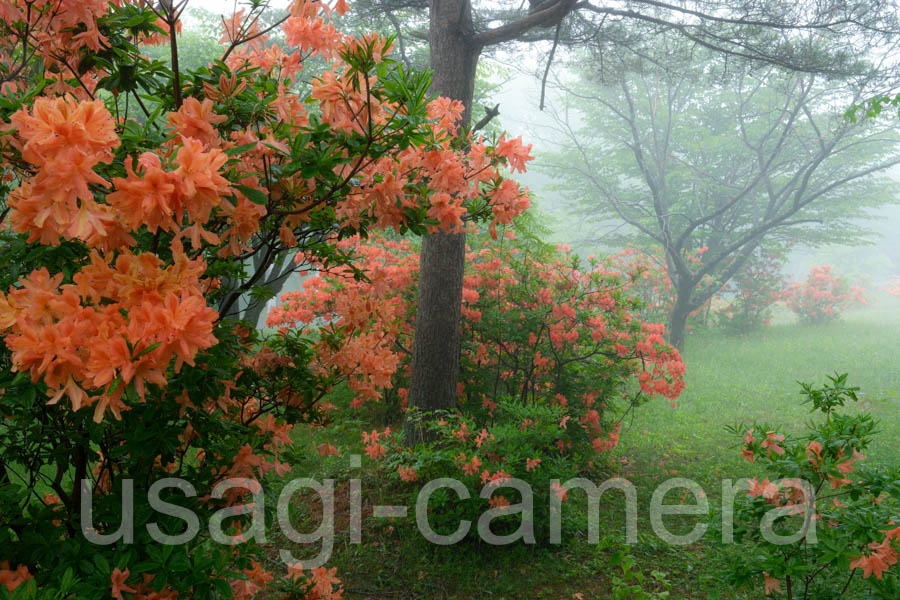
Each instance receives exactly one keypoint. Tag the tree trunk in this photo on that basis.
(678, 319)
(274, 281)
(436, 344)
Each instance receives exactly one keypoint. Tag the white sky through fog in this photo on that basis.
(226, 7)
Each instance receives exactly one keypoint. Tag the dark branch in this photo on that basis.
(546, 17)
(488, 116)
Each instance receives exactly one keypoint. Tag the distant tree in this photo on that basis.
(711, 166)
(198, 41)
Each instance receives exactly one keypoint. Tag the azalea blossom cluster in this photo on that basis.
(823, 296)
(56, 30)
(742, 304)
(649, 281)
(533, 312)
(77, 339)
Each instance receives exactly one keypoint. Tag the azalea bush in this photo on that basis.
(818, 480)
(141, 204)
(823, 296)
(893, 287)
(553, 356)
(745, 303)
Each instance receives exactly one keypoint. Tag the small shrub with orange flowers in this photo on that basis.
(140, 205)
(818, 481)
(823, 296)
(893, 287)
(745, 303)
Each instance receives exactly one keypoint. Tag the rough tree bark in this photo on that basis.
(454, 50)
(679, 316)
(436, 344)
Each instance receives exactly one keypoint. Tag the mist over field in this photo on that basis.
(877, 261)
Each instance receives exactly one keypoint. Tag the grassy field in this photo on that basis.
(729, 380)
(754, 378)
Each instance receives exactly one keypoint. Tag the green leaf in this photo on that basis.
(253, 194)
(148, 349)
(238, 150)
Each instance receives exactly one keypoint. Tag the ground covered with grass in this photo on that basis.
(729, 380)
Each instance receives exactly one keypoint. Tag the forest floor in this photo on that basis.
(730, 380)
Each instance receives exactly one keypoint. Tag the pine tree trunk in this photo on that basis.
(436, 344)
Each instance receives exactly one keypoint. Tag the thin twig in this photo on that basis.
(549, 62)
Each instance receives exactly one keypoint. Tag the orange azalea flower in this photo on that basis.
(13, 578)
(498, 502)
(327, 449)
(199, 178)
(324, 582)
(559, 491)
(771, 584)
(764, 488)
(149, 198)
(197, 120)
(748, 455)
(119, 585)
(514, 152)
(244, 218)
(407, 473)
(58, 129)
(495, 480)
(472, 467)
(748, 437)
(305, 30)
(65, 139)
(814, 453)
(771, 442)
(448, 211)
(78, 349)
(244, 589)
(376, 451)
(837, 482)
(258, 575)
(877, 562)
(295, 571)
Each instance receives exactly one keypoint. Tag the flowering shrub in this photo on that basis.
(823, 296)
(127, 240)
(852, 511)
(551, 355)
(893, 287)
(745, 303)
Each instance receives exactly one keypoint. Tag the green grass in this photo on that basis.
(754, 378)
(729, 380)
